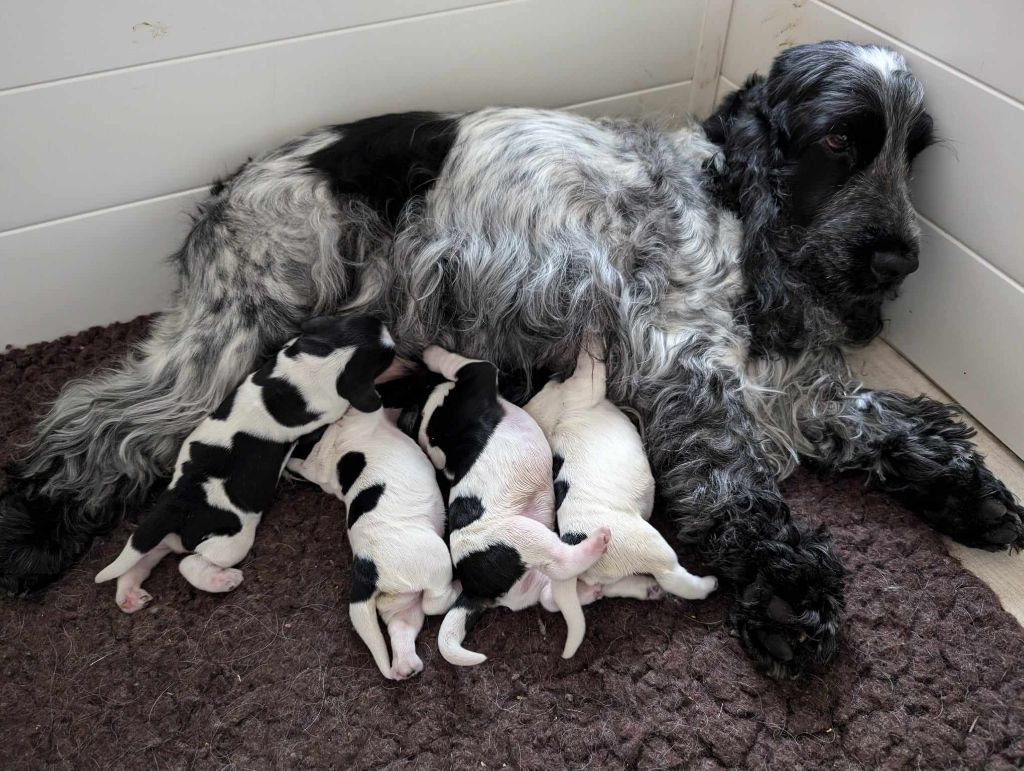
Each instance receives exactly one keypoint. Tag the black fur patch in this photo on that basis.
(365, 501)
(465, 420)
(307, 442)
(387, 160)
(350, 466)
(364, 579)
(250, 470)
(492, 572)
(572, 538)
(283, 400)
(463, 511)
(556, 465)
(223, 412)
(474, 607)
(561, 490)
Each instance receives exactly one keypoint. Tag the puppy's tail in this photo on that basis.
(456, 625)
(364, 619)
(125, 561)
(568, 601)
(156, 525)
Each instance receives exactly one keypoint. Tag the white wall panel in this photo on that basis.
(979, 39)
(93, 269)
(963, 323)
(53, 39)
(76, 145)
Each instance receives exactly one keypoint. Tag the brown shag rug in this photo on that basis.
(930, 673)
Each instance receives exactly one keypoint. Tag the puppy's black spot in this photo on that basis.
(561, 490)
(492, 572)
(306, 443)
(283, 400)
(463, 423)
(255, 467)
(364, 579)
(573, 538)
(365, 501)
(556, 465)
(350, 466)
(224, 410)
(474, 607)
(463, 511)
(387, 160)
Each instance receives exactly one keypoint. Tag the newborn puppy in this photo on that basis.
(497, 466)
(602, 479)
(395, 517)
(229, 465)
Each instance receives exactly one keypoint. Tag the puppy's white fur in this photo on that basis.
(401, 535)
(609, 484)
(511, 477)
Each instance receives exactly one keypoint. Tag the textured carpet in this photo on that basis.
(929, 674)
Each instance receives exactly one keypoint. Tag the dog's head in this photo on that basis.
(820, 153)
(366, 343)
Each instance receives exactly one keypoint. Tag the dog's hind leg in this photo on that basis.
(203, 574)
(635, 587)
(403, 614)
(541, 548)
(131, 597)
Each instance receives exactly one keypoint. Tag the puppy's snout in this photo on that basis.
(892, 264)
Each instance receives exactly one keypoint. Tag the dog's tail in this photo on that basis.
(364, 619)
(456, 625)
(568, 601)
(590, 367)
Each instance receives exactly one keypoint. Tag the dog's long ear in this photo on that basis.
(356, 382)
(717, 125)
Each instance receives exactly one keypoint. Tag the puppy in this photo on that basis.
(496, 464)
(229, 465)
(603, 479)
(395, 516)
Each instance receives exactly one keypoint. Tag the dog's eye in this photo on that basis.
(837, 143)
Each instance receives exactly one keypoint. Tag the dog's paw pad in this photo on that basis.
(226, 580)
(655, 592)
(134, 601)
(406, 668)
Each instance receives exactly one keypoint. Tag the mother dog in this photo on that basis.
(726, 267)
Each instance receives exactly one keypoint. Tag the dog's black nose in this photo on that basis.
(889, 265)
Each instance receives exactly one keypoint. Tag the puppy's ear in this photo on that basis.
(316, 325)
(718, 123)
(356, 382)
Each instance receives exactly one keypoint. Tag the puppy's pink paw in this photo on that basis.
(600, 539)
(655, 592)
(589, 592)
(134, 600)
(407, 667)
(225, 580)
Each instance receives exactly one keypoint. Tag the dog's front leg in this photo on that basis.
(920, 451)
(709, 459)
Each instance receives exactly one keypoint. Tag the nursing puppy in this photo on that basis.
(603, 479)
(229, 465)
(395, 516)
(496, 464)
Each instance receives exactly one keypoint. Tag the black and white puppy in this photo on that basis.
(603, 479)
(228, 467)
(496, 464)
(395, 516)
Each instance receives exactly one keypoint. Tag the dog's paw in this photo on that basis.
(598, 542)
(787, 617)
(655, 592)
(972, 507)
(133, 600)
(225, 580)
(707, 584)
(404, 668)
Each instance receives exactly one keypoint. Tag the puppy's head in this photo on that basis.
(363, 340)
(834, 129)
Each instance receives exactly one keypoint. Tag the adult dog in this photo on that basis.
(725, 267)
